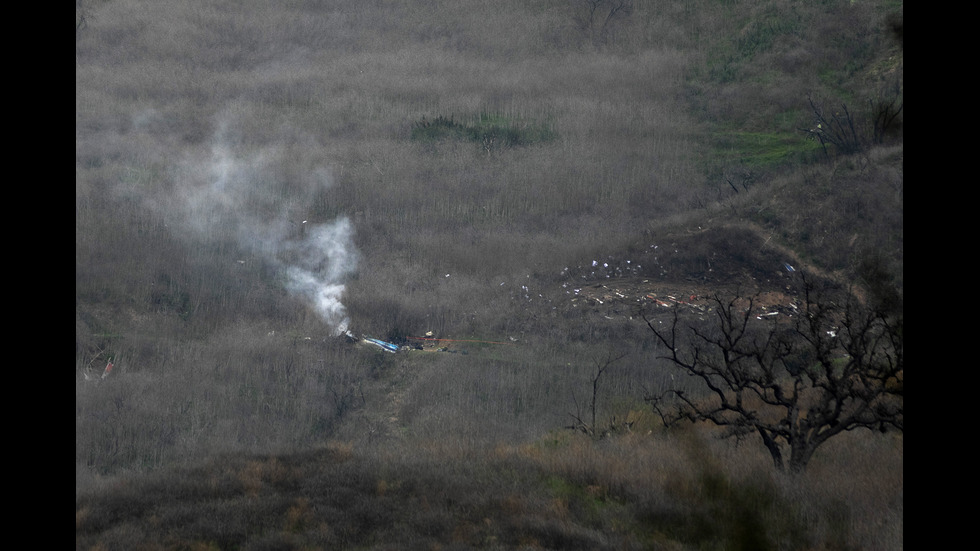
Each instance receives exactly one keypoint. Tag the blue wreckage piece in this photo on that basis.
(382, 344)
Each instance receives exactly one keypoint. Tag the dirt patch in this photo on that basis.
(688, 269)
(629, 297)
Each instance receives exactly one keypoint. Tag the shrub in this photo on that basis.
(491, 130)
(854, 132)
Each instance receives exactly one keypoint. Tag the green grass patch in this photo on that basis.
(761, 150)
(491, 130)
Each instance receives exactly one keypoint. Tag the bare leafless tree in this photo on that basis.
(597, 17)
(836, 127)
(835, 367)
(850, 132)
(885, 116)
(590, 427)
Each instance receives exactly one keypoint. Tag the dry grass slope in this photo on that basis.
(216, 140)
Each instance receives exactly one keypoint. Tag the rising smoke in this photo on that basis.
(255, 198)
(326, 257)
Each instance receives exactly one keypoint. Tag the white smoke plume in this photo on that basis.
(252, 197)
(325, 258)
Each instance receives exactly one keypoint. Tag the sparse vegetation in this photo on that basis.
(519, 179)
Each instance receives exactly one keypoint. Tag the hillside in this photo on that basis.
(525, 182)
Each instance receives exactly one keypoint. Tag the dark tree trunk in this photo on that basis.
(773, 447)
